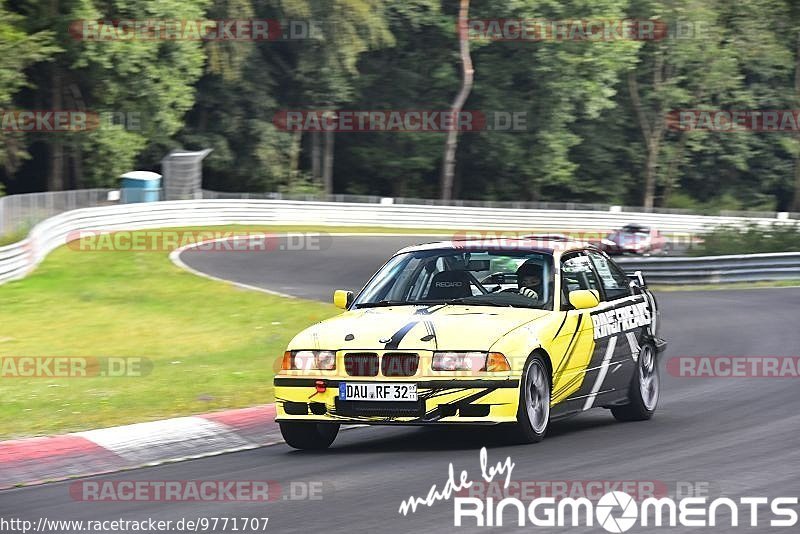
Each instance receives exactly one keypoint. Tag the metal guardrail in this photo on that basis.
(18, 259)
(717, 269)
(495, 204)
(22, 212)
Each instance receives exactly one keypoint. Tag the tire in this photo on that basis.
(644, 390)
(309, 436)
(533, 409)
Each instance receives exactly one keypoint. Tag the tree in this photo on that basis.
(679, 72)
(451, 143)
(18, 50)
(140, 89)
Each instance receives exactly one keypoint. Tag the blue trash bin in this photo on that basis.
(140, 186)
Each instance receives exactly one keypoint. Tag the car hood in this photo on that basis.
(450, 327)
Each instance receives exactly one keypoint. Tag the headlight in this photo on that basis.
(309, 360)
(469, 361)
(608, 242)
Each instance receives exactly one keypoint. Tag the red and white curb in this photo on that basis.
(45, 459)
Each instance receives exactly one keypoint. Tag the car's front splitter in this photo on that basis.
(438, 402)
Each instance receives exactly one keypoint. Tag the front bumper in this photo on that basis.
(448, 401)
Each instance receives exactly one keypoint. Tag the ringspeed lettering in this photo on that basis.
(621, 319)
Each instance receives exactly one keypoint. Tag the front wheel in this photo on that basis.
(644, 389)
(309, 436)
(533, 411)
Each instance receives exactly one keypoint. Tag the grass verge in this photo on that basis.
(729, 285)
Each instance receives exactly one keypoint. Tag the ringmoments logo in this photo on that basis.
(606, 507)
(618, 511)
(615, 511)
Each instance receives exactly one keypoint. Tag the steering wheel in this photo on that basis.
(479, 285)
(491, 279)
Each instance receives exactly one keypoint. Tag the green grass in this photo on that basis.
(729, 286)
(212, 345)
(13, 237)
(752, 239)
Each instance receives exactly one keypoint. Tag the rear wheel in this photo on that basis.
(309, 436)
(644, 389)
(533, 412)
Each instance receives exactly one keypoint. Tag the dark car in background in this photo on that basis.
(634, 239)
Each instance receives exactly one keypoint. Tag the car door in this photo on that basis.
(574, 345)
(621, 322)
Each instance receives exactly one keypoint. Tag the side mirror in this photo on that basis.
(582, 299)
(342, 299)
(637, 279)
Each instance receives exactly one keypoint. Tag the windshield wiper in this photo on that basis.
(490, 301)
(384, 303)
(471, 301)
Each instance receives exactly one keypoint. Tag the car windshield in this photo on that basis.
(510, 278)
(634, 229)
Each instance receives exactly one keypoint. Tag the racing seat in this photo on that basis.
(448, 285)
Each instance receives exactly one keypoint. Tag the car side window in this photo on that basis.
(615, 282)
(576, 273)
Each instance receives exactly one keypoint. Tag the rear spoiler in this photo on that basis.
(638, 278)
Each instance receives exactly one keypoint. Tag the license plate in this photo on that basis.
(377, 392)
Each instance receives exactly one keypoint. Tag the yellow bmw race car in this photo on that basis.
(501, 331)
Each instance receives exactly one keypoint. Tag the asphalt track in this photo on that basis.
(736, 437)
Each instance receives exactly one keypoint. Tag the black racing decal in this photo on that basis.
(433, 393)
(562, 325)
(436, 413)
(429, 310)
(621, 320)
(571, 382)
(592, 373)
(568, 352)
(621, 353)
(398, 336)
(612, 322)
(431, 333)
(592, 366)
